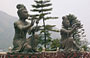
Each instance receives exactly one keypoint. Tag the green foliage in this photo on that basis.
(55, 43)
(46, 1)
(41, 41)
(41, 7)
(40, 49)
(50, 18)
(85, 47)
(41, 10)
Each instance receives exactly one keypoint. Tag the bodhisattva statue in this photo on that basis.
(67, 41)
(21, 29)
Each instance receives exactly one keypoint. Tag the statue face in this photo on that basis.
(24, 14)
(66, 22)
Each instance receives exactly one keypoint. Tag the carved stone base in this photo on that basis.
(48, 55)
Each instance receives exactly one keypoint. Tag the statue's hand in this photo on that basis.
(32, 22)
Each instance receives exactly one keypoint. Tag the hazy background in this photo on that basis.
(80, 8)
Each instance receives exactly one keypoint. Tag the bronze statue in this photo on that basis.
(67, 41)
(21, 29)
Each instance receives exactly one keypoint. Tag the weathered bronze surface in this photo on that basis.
(67, 41)
(21, 29)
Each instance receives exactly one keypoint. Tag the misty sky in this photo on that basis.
(80, 8)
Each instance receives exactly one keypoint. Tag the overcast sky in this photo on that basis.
(80, 8)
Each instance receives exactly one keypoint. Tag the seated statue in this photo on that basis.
(67, 41)
(21, 29)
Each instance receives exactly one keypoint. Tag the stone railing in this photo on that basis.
(48, 55)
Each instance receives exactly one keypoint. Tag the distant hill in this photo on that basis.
(7, 30)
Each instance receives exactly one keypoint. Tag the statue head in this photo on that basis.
(22, 11)
(19, 6)
(65, 22)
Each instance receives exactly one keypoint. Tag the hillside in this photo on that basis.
(6, 29)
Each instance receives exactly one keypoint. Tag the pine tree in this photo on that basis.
(42, 9)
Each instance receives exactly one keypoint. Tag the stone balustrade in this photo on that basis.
(47, 55)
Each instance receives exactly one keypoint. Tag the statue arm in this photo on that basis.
(21, 27)
(68, 31)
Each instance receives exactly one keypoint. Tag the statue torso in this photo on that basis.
(20, 34)
(64, 34)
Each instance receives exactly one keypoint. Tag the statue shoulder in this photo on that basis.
(17, 22)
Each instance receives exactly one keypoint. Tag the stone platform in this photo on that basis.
(47, 55)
